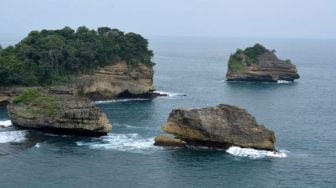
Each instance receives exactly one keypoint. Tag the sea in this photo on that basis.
(191, 71)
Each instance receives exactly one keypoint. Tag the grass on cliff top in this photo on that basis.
(37, 102)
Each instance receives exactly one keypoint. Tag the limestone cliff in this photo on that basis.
(222, 126)
(119, 80)
(259, 64)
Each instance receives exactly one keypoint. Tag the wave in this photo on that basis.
(284, 82)
(12, 136)
(255, 154)
(170, 94)
(37, 145)
(131, 142)
(119, 100)
(6, 123)
(266, 83)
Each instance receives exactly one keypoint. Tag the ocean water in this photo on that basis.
(192, 71)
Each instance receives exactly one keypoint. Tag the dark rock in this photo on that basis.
(164, 140)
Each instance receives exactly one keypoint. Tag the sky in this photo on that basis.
(214, 18)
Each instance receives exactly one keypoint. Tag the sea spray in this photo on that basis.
(131, 142)
(12, 136)
(255, 154)
(170, 94)
(6, 123)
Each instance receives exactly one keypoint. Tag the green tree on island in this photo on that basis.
(53, 56)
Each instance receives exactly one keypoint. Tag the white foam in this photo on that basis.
(170, 94)
(38, 145)
(284, 82)
(131, 142)
(119, 100)
(12, 136)
(255, 154)
(6, 123)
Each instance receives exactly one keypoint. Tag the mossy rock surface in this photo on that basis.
(57, 113)
(36, 102)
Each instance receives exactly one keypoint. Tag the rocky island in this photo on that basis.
(50, 77)
(259, 64)
(222, 126)
(59, 113)
(100, 64)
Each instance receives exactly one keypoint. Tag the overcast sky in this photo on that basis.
(224, 18)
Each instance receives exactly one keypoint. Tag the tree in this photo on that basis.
(52, 56)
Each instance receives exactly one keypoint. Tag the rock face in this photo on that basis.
(119, 80)
(260, 65)
(164, 140)
(222, 126)
(7, 93)
(60, 113)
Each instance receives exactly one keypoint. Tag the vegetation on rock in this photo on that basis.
(39, 102)
(54, 56)
(243, 58)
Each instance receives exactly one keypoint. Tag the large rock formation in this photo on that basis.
(259, 64)
(54, 112)
(222, 126)
(119, 80)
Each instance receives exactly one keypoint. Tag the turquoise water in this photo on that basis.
(302, 114)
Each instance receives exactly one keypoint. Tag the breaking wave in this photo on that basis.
(170, 94)
(119, 100)
(6, 123)
(255, 154)
(284, 82)
(12, 136)
(131, 142)
(37, 145)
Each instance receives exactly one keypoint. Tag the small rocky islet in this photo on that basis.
(61, 113)
(221, 126)
(67, 108)
(259, 64)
